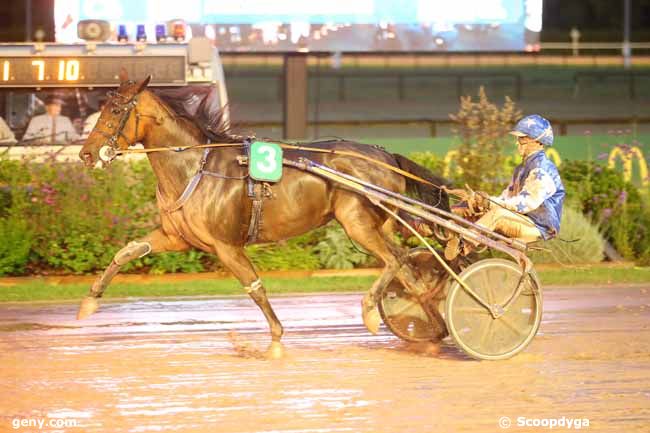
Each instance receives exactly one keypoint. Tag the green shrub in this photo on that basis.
(60, 217)
(482, 128)
(615, 205)
(635, 226)
(77, 218)
(15, 244)
(453, 172)
(588, 245)
(430, 161)
(162, 263)
(336, 250)
(295, 253)
(597, 190)
(78, 253)
(16, 231)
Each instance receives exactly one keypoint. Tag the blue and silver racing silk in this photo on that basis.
(536, 191)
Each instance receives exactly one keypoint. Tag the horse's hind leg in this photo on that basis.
(234, 258)
(155, 242)
(363, 224)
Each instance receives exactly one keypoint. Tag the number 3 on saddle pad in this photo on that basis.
(265, 161)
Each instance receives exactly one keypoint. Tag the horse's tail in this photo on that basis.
(433, 194)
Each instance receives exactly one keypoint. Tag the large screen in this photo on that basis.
(325, 25)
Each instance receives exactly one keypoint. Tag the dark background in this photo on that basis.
(598, 20)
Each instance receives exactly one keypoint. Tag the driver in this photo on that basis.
(530, 208)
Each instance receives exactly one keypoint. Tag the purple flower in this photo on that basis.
(622, 197)
(598, 169)
(602, 156)
(607, 212)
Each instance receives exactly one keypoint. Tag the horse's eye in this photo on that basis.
(116, 111)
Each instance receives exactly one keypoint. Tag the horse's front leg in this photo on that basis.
(234, 258)
(155, 242)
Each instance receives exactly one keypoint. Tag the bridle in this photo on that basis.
(120, 105)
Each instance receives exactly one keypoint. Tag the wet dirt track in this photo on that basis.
(192, 366)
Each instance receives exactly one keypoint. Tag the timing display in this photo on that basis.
(90, 71)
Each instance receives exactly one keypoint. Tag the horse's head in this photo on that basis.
(120, 124)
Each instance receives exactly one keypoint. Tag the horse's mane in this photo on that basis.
(199, 106)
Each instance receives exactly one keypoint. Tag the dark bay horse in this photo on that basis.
(216, 216)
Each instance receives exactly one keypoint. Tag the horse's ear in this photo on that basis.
(144, 83)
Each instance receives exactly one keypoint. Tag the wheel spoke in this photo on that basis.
(508, 323)
(474, 310)
(407, 307)
(487, 288)
(485, 333)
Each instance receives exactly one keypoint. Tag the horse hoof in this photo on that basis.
(371, 319)
(88, 307)
(427, 348)
(275, 350)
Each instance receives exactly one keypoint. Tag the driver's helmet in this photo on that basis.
(535, 127)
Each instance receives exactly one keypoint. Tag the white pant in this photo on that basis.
(511, 224)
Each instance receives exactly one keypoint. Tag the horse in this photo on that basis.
(217, 215)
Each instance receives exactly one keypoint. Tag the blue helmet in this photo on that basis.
(535, 127)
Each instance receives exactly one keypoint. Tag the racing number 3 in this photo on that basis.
(266, 161)
(268, 164)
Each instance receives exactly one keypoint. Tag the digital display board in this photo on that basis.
(326, 25)
(91, 71)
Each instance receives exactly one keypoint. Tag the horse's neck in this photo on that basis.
(173, 169)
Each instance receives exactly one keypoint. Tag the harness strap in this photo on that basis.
(189, 188)
(255, 193)
(256, 216)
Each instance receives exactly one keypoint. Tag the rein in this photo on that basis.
(125, 105)
(284, 146)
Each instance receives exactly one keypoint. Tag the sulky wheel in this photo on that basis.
(404, 315)
(472, 326)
